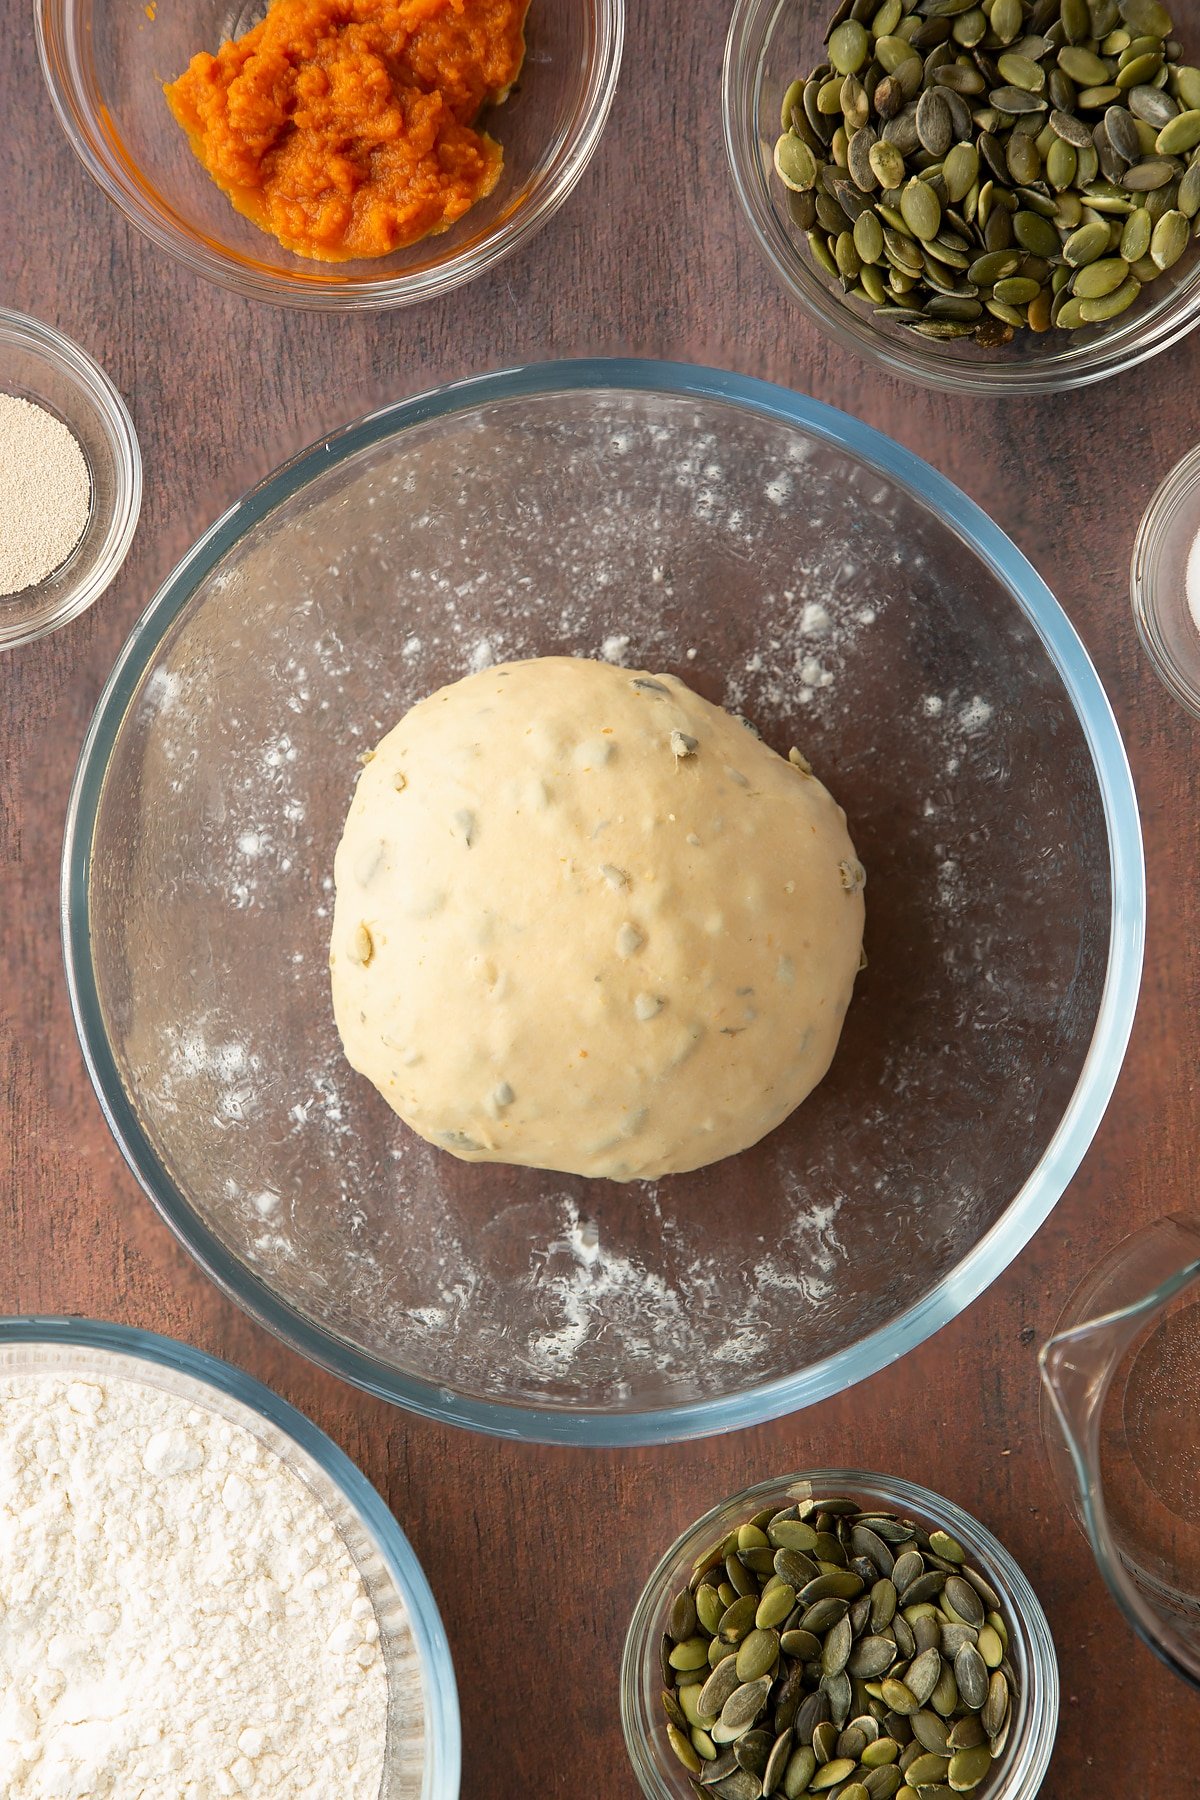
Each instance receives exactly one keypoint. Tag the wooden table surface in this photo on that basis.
(648, 257)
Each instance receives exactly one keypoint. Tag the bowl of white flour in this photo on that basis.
(200, 1596)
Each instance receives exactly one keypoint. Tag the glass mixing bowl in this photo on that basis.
(787, 561)
(105, 62)
(424, 1749)
(1018, 1775)
(770, 43)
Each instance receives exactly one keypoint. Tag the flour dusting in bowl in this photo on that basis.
(779, 574)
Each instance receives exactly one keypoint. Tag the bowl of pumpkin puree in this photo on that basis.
(334, 153)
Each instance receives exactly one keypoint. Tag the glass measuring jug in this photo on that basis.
(1121, 1420)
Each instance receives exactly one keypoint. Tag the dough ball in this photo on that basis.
(586, 921)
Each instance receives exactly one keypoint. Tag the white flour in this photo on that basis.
(179, 1617)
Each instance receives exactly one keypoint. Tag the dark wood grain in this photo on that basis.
(648, 257)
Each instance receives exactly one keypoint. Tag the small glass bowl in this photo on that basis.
(1022, 1769)
(105, 62)
(770, 43)
(38, 363)
(1158, 580)
(422, 1760)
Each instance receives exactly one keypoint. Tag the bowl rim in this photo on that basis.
(1159, 516)
(314, 287)
(98, 392)
(1030, 1206)
(443, 1732)
(1029, 1755)
(854, 330)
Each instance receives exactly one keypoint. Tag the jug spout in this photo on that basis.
(1132, 1318)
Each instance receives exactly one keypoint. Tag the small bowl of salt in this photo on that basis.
(1165, 581)
(70, 480)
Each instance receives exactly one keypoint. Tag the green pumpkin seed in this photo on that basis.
(777, 1762)
(1170, 240)
(752, 1750)
(741, 1785)
(723, 1682)
(1188, 200)
(1135, 236)
(1110, 306)
(757, 1653)
(838, 1645)
(882, 1783)
(691, 1654)
(910, 1564)
(888, 164)
(1152, 105)
(927, 1771)
(1140, 72)
(883, 1604)
(993, 266)
(892, 53)
(681, 1620)
(931, 1732)
(1181, 135)
(791, 1534)
(883, 1751)
(1185, 85)
(1037, 235)
(960, 171)
(795, 164)
(793, 98)
(1021, 72)
(968, 1768)
(1146, 17)
(1018, 290)
(995, 1706)
(944, 1698)
(1084, 66)
(962, 1599)
(741, 1577)
(1145, 177)
(1069, 316)
(1098, 278)
(923, 1675)
(824, 1740)
(684, 1750)
(799, 1772)
(743, 1706)
(831, 1774)
(900, 1698)
(849, 47)
(970, 1670)
(840, 1584)
(868, 237)
(738, 1618)
(871, 1658)
(1008, 19)
(921, 209)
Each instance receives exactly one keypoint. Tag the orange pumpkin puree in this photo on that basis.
(345, 128)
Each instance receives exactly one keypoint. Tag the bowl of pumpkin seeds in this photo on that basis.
(985, 195)
(844, 1635)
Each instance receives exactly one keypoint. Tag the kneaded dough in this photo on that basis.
(587, 921)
